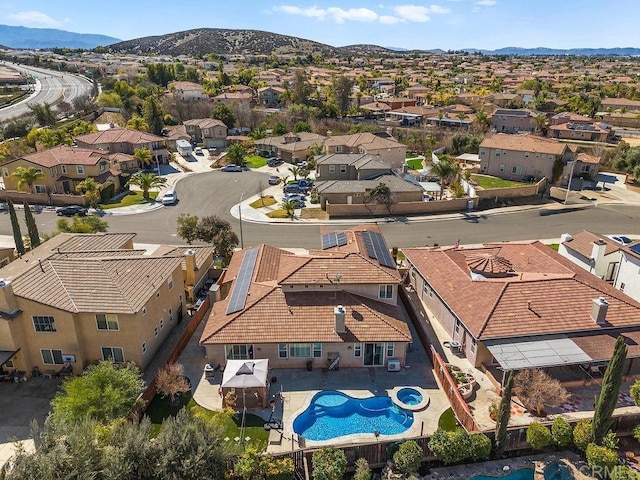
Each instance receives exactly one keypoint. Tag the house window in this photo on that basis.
(457, 326)
(300, 350)
(425, 290)
(103, 166)
(170, 284)
(63, 168)
(339, 149)
(80, 169)
(282, 350)
(483, 152)
(585, 168)
(155, 331)
(44, 324)
(357, 350)
(51, 357)
(526, 154)
(501, 167)
(114, 354)
(474, 344)
(158, 294)
(5, 172)
(144, 310)
(239, 352)
(343, 169)
(516, 170)
(161, 323)
(622, 287)
(107, 321)
(390, 349)
(484, 167)
(170, 315)
(498, 152)
(332, 169)
(144, 347)
(206, 132)
(552, 157)
(40, 189)
(317, 350)
(385, 291)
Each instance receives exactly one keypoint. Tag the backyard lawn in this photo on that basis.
(488, 182)
(134, 198)
(415, 164)
(447, 421)
(254, 161)
(159, 409)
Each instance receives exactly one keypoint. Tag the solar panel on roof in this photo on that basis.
(243, 281)
(635, 248)
(368, 245)
(381, 250)
(342, 238)
(329, 240)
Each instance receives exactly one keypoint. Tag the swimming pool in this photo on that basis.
(521, 474)
(557, 471)
(409, 396)
(334, 414)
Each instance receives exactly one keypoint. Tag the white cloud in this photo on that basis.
(437, 9)
(34, 18)
(313, 12)
(418, 13)
(355, 14)
(486, 3)
(389, 19)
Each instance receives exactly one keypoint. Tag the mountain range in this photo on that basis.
(25, 37)
(229, 42)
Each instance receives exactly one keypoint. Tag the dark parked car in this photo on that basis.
(274, 162)
(304, 183)
(71, 210)
(274, 180)
(294, 188)
(232, 168)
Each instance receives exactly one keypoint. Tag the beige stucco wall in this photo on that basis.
(535, 164)
(401, 208)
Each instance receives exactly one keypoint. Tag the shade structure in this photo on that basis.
(245, 373)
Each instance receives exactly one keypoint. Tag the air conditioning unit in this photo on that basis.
(393, 365)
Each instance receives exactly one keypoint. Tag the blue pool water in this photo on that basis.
(522, 474)
(333, 414)
(557, 471)
(409, 396)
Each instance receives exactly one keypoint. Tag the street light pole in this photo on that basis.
(573, 164)
(240, 217)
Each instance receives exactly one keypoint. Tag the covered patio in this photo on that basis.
(249, 376)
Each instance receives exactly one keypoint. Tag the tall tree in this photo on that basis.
(301, 89)
(45, 116)
(236, 153)
(340, 93)
(223, 113)
(15, 227)
(187, 227)
(212, 229)
(147, 181)
(444, 170)
(34, 236)
(27, 176)
(143, 155)
(504, 413)
(136, 122)
(152, 112)
(609, 391)
(91, 190)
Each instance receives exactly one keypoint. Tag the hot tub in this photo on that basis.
(410, 398)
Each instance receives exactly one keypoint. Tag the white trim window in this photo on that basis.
(516, 170)
(63, 169)
(300, 350)
(357, 350)
(170, 283)
(390, 349)
(240, 351)
(113, 354)
(79, 169)
(332, 169)
(40, 188)
(385, 291)
(44, 324)
(343, 169)
(51, 357)
(144, 347)
(317, 350)
(282, 350)
(5, 172)
(474, 344)
(107, 321)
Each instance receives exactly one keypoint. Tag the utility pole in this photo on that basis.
(573, 164)
(240, 218)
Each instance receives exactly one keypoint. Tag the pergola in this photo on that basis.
(250, 376)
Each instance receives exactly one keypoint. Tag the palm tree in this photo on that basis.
(289, 206)
(258, 133)
(482, 120)
(444, 169)
(26, 176)
(295, 171)
(136, 122)
(147, 181)
(91, 189)
(541, 122)
(143, 155)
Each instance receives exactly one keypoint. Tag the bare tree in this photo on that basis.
(536, 390)
(170, 381)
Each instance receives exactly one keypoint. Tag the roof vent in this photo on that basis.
(599, 308)
(565, 237)
(3, 283)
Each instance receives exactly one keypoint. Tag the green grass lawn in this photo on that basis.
(280, 213)
(487, 182)
(554, 246)
(415, 164)
(229, 426)
(264, 202)
(134, 198)
(447, 421)
(411, 155)
(254, 161)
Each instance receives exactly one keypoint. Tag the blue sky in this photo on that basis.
(446, 24)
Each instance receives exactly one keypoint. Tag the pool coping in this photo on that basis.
(413, 430)
(426, 399)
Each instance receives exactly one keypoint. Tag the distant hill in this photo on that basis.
(622, 51)
(24, 37)
(222, 41)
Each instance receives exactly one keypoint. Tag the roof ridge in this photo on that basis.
(493, 309)
(372, 311)
(55, 272)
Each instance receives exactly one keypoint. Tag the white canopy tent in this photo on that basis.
(247, 375)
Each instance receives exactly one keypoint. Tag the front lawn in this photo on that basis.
(229, 426)
(415, 164)
(488, 182)
(314, 213)
(254, 161)
(134, 198)
(266, 201)
(280, 213)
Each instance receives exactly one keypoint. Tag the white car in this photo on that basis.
(198, 151)
(170, 198)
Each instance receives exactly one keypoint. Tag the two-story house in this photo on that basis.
(337, 305)
(187, 91)
(270, 97)
(349, 166)
(506, 120)
(381, 145)
(234, 98)
(628, 276)
(290, 147)
(123, 140)
(81, 298)
(572, 126)
(209, 132)
(63, 167)
(595, 253)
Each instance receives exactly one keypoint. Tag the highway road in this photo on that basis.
(215, 193)
(51, 87)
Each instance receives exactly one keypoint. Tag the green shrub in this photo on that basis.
(601, 460)
(610, 440)
(392, 448)
(328, 464)
(636, 432)
(538, 436)
(620, 472)
(634, 392)
(561, 432)
(450, 447)
(480, 446)
(408, 458)
(362, 470)
(583, 434)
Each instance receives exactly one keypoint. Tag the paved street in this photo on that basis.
(215, 193)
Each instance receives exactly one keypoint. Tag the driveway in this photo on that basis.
(20, 404)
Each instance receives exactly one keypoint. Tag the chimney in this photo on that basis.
(190, 268)
(8, 303)
(597, 250)
(565, 237)
(328, 133)
(390, 131)
(340, 314)
(599, 310)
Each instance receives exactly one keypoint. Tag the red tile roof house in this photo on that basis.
(340, 302)
(522, 305)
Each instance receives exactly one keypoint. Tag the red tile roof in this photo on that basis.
(582, 243)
